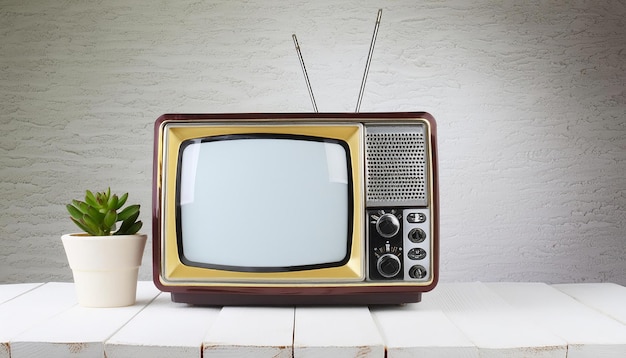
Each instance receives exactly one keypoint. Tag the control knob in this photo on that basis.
(387, 225)
(388, 265)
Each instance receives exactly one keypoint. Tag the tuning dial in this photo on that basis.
(388, 265)
(417, 235)
(387, 225)
(418, 272)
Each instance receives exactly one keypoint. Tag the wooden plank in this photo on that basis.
(336, 332)
(607, 298)
(79, 331)
(251, 332)
(589, 334)
(35, 306)
(494, 326)
(413, 331)
(8, 292)
(163, 329)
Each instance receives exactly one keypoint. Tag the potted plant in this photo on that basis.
(105, 258)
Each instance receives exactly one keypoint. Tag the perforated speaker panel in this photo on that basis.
(396, 165)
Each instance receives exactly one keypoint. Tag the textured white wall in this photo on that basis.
(529, 96)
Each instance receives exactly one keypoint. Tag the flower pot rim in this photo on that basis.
(84, 235)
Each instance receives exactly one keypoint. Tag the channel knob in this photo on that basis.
(387, 225)
(388, 265)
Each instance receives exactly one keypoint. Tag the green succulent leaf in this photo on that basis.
(112, 203)
(128, 212)
(100, 200)
(94, 228)
(128, 222)
(135, 228)
(75, 213)
(90, 199)
(82, 226)
(110, 219)
(132, 218)
(131, 230)
(97, 215)
(121, 201)
(82, 206)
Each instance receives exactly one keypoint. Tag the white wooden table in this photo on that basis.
(454, 320)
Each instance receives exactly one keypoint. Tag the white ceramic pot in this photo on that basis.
(105, 268)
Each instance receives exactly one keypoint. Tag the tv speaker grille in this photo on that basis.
(396, 165)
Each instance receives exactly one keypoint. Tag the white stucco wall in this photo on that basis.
(530, 100)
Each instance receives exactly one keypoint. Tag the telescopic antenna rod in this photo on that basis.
(369, 60)
(306, 76)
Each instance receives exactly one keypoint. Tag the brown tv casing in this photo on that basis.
(246, 293)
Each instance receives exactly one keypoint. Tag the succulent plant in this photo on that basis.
(98, 215)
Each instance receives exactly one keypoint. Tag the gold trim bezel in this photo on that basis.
(173, 271)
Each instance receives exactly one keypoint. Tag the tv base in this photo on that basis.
(285, 299)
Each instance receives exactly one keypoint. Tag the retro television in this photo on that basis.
(300, 208)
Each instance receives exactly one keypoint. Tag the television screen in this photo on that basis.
(264, 202)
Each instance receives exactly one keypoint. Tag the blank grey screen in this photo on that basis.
(264, 202)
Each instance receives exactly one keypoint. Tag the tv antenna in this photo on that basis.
(367, 65)
(369, 60)
(306, 76)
